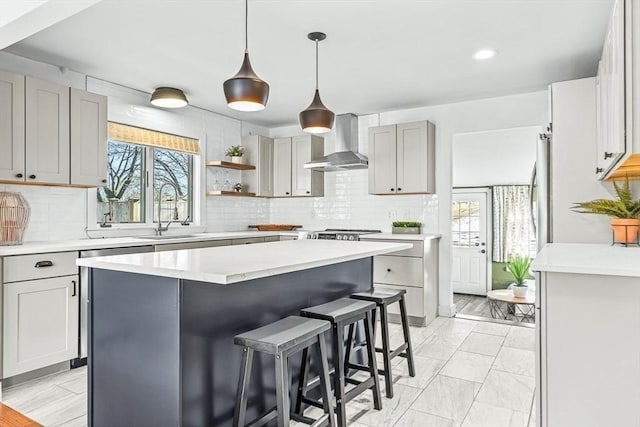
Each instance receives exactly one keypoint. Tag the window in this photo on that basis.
(140, 168)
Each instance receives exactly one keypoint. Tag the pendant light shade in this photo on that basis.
(246, 91)
(316, 118)
(169, 97)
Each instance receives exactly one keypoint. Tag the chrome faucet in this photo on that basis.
(160, 228)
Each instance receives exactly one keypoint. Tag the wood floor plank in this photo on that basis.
(12, 418)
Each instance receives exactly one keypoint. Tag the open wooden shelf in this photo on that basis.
(229, 193)
(229, 165)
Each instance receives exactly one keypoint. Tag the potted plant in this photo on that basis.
(406, 227)
(235, 152)
(519, 268)
(624, 213)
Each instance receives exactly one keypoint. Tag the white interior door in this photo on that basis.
(470, 253)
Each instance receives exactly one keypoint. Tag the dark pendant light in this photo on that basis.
(246, 91)
(316, 118)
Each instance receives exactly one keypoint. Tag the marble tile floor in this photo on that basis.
(469, 374)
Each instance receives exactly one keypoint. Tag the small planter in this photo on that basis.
(236, 159)
(625, 230)
(519, 291)
(405, 230)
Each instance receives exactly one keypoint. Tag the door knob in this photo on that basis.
(483, 251)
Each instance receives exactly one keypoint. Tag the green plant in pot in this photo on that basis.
(406, 227)
(235, 152)
(624, 212)
(519, 268)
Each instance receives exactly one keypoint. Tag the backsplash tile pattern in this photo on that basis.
(347, 204)
(57, 213)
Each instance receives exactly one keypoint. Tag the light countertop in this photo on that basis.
(599, 259)
(122, 242)
(230, 264)
(390, 236)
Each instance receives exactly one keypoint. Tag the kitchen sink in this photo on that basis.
(167, 237)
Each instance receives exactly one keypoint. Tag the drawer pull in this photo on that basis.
(41, 264)
(74, 288)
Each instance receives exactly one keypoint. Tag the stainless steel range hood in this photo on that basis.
(346, 156)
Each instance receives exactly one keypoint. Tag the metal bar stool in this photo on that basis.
(341, 313)
(382, 299)
(282, 339)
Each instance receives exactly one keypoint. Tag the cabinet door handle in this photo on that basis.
(599, 170)
(41, 264)
(19, 175)
(74, 288)
(393, 189)
(287, 193)
(308, 192)
(32, 177)
(104, 181)
(607, 155)
(399, 189)
(388, 270)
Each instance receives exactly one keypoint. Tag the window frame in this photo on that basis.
(197, 205)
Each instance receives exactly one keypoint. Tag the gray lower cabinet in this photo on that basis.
(40, 311)
(414, 270)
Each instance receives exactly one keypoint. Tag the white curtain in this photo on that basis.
(512, 233)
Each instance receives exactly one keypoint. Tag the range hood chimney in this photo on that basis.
(346, 156)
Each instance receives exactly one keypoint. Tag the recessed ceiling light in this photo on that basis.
(484, 54)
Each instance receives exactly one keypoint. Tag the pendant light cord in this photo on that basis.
(316, 64)
(246, 26)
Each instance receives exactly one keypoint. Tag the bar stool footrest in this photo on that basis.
(361, 387)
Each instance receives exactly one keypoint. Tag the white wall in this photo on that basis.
(61, 213)
(499, 157)
(348, 204)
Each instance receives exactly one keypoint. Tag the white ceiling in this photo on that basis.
(379, 55)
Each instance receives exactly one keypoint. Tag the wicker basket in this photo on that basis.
(14, 217)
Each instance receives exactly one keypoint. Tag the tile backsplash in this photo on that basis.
(347, 204)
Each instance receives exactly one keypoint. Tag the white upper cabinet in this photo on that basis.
(618, 97)
(47, 132)
(306, 182)
(282, 167)
(51, 134)
(259, 152)
(290, 176)
(88, 138)
(382, 159)
(402, 158)
(11, 127)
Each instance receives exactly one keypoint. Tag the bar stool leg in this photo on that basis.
(282, 390)
(327, 396)
(407, 337)
(373, 367)
(338, 363)
(347, 356)
(304, 377)
(388, 377)
(243, 387)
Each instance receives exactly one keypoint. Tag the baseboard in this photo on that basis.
(31, 375)
(447, 310)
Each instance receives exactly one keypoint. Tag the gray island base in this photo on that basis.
(161, 349)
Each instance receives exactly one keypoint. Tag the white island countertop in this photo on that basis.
(231, 264)
(580, 258)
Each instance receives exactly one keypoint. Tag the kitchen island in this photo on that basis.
(161, 325)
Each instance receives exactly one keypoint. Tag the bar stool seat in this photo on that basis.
(382, 300)
(282, 339)
(341, 313)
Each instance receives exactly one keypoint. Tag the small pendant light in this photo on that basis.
(246, 91)
(316, 118)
